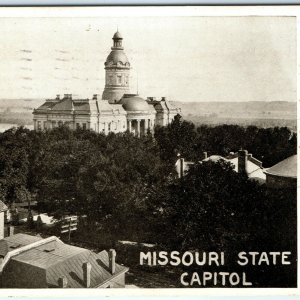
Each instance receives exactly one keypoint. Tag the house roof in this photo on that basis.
(254, 169)
(56, 260)
(72, 270)
(285, 168)
(13, 242)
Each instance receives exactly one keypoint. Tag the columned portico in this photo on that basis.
(139, 126)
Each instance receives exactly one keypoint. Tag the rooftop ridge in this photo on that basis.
(20, 250)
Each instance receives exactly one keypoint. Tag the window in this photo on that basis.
(84, 126)
(45, 124)
(60, 123)
(109, 126)
(126, 80)
(119, 79)
(110, 79)
(39, 125)
(77, 125)
(53, 124)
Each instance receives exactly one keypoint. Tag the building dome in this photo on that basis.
(115, 57)
(135, 103)
(285, 168)
(117, 35)
(283, 175)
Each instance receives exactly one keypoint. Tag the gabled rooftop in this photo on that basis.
(51, 260)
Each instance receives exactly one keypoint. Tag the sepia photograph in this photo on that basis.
(148, 151)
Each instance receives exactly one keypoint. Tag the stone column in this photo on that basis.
(146, 125)
(138, 128)
(129, 126)
(151, 125)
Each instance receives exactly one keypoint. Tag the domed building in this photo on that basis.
(117, 111)
(140, 115)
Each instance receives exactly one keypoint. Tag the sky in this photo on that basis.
(181, 58)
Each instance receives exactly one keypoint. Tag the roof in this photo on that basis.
(136, 103)
(55, 259)
(254, 169)
(79, 106)
(117, 56)
(13, 242)
(3, 207)
(164, 105)
(285, 168)
(214, 158)
(48, 255)
(117, 35)
(72, 270)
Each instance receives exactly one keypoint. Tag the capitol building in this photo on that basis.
(117, 110)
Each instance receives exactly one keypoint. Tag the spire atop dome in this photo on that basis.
(117, 41)
(118, 36)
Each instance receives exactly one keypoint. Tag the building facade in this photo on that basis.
(117, 111)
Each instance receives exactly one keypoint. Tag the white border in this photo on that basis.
(50, 12)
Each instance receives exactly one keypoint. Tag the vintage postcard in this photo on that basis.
(145, 147)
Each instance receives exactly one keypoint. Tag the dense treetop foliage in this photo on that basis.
(127, 187)
(270, 145)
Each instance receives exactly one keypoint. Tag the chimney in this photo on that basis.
(112, 260)
(11, 230)
(242, 161)
(66, 96)
(163, 98)
(62, 282)
(87, 267)
(58, 97)
(205, 154)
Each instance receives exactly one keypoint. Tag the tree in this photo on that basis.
(14, 165)
(212, 207)
(176, 138)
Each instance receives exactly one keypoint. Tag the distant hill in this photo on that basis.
(259, 113)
